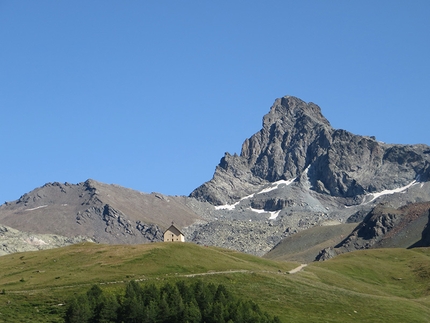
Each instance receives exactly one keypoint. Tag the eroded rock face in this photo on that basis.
(425, 236)
(296, 138)
(405, 227)
(13, 240)
(375, 225)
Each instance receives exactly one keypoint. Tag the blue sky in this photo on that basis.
(150, 94)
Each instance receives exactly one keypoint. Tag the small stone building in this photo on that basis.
(173, 234)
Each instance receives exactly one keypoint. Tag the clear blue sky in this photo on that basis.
(150, 94)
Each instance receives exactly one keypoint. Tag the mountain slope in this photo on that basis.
(104, 213)
(305, 245)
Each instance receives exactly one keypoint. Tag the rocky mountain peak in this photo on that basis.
(90, 183)
(279, 150)
(289, 110)
(296, 140)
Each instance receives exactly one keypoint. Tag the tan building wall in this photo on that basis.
(173, 234)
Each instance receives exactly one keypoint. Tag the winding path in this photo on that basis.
(292, 271)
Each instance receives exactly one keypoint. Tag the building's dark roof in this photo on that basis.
(173, 227)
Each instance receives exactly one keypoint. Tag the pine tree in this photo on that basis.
(186, 291)
(109, 309)
(222, 294)
(192, 313)
(79, 310)
(174, 301)
(204, 299)
(151, 312)
(163, 310)
(150, 293)
(133, 289)
(132, 309)
(94, 296)
(218, 313)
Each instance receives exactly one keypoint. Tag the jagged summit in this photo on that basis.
(289, 110)
(275, 152)
(296, 140)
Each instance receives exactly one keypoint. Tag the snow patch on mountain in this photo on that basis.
(271, 187)
(274, 215)
(389, 192)
(227, 206)
(37, 207)
(276, 185)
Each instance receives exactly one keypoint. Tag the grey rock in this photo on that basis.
(296, 138)
(326, 254)
(13, 240)
(151, 232)
(387, 227)
(425, 236)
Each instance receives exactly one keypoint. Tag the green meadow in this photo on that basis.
(389, 285)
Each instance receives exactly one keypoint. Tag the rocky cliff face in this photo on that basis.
(296, 138)
(387, 227)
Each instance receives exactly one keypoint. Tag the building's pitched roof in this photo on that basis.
(174, 228)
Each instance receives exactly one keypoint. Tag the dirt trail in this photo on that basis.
(297, 269)
(217, 273)
(154, 278)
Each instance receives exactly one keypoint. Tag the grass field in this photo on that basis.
(389, 285)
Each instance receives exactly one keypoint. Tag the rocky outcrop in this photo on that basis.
(232, 180)
(326, 254)
(17, 241)
(425, 236)
(384, 226)
(372, 229)
(151, 232)
(272, 204)
(296, 138)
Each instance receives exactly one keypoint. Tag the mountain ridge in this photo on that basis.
(294, 174)
(102, 212)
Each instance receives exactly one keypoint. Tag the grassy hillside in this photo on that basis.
(89, 263)
(305, 245)
(390, 285)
